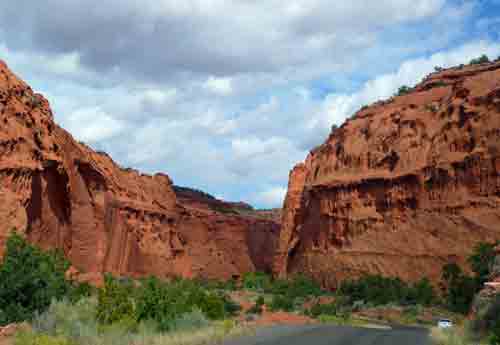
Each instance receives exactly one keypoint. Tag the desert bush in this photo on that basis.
(256, 281)
(30, 338)
(257, 307)
(487, 318)
(481, 261)
(302, 286)
(116, 302)
(459, 288)
(482, 59)
(29, 279)
(378, 290)
(403, 90)
(282, 302)
(164, 302)
(212, 306)
(298, 286)
(231, 308)
(322, 309)
(75, 321)
(421, 293)
(450, 336)
(189, 321)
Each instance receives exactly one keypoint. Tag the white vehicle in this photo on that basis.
(445, 323)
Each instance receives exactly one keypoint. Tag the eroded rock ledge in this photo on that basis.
(62, 194)
(405, 186)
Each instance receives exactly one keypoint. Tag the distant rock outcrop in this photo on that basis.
(61, 193)
(403, 187)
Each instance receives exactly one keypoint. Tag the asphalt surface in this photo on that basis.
(334, 335)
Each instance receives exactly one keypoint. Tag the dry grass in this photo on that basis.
(212, 334)
(450, 336)
(75, 324)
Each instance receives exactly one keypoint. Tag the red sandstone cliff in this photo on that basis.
(402, 188)
(61, 193)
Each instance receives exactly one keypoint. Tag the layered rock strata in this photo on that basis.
(403, 187)
(62, 194)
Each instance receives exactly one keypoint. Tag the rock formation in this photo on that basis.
(403, 187)
(61, 193)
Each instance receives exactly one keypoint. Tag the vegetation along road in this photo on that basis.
(335, 335)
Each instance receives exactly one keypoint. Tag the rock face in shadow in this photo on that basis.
(61, 193)
(403, 187)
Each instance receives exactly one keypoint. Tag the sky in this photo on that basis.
(227, 96)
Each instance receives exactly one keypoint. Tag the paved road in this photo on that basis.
(334, 335)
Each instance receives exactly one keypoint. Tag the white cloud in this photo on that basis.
(337, 107)
(223, 95)
(221, 86)
(93, 125)
(272, 197)
(159, 97)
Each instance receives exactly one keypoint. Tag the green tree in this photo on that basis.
(29, 279)
(460, 289)
(424, 292)
(481, 260)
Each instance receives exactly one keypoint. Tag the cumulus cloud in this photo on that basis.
(337, 107)
(270, 197)
(93, 125)
(163, 39)
(221, 86)
(224, 95)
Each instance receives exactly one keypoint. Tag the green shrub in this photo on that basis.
(482, 59)
(296, 287)
(231, 308)
(212, 306)
(282, 302)
(403, 90)
(487, 320)
(30, 338)
(29, 279)
(115, 302)
(481, 260)
(165, 302)
(302, 286)
(72, 320)
(257, 307)
(422, 293)
(189, 321)
(322, 309)
(379, 290)
(80, 291)
(459, 288)
(256, 281)
(335, 319)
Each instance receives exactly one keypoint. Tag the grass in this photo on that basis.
(212, 334)
(66, 323)
(449, 336)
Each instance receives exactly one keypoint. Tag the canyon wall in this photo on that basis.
(61, 194)
(403, 187)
